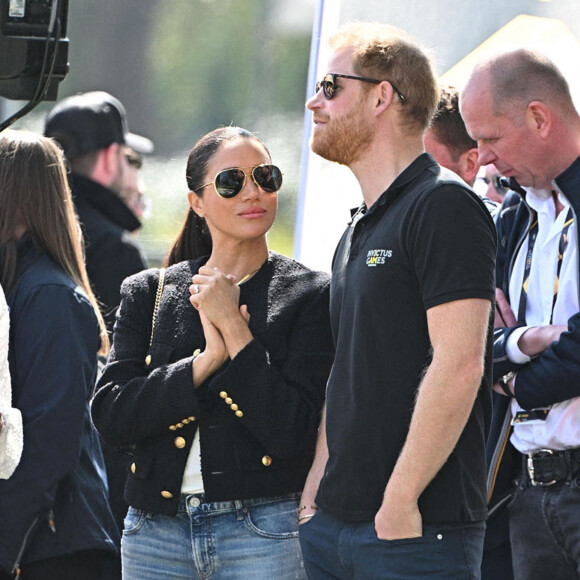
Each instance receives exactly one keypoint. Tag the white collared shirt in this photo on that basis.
(561, 428)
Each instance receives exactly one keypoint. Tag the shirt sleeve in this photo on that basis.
(452, 242)
(513, 350)
(552, 377)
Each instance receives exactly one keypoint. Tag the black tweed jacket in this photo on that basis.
(258, 415)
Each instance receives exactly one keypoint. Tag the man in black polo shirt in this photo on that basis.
(397, 488)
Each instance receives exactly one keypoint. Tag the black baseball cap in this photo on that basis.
(91, 121)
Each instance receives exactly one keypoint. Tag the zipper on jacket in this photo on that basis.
(507, 279)
(16, 567)
(498, 453)
(50, 520)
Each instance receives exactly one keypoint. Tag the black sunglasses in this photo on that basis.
(500, 183)
(329, 86)
(229, 182)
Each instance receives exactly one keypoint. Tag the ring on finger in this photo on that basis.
(196, 289)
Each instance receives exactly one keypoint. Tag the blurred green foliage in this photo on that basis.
(221, 62)
(184, 67)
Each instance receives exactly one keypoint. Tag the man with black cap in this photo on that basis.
(93, 132)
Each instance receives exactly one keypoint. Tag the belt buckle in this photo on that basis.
(532, 471)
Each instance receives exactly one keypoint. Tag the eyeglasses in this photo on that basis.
(329, 86)
(500, 183)
(229, 182)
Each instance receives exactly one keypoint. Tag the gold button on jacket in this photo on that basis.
(179, 442)
(267, 460)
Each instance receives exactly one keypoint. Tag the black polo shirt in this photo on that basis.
(426, 241)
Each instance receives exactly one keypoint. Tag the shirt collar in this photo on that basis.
(541, 200)
(422, 163)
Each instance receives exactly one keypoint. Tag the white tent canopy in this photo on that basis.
(549, 36)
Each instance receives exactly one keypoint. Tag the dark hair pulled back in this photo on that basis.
(194, 239)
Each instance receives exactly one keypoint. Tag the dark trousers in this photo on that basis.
(497, 563)
(336, 550)
(84, 565)
(545, 531)
(497, 553)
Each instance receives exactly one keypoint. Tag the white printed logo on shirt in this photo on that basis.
(377, 257)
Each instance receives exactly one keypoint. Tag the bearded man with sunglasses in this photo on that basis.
(397, 487)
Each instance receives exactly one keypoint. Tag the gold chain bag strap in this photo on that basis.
(160, 286)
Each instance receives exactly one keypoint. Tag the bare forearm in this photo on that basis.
(236, 335)
(538, 338)
(443, 406)
(203, 366)
(317, 470)
(504, 316)
(444, 401)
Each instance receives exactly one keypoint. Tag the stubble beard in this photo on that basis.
(347, 140)
(118, 182)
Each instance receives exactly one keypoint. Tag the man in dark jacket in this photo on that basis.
(92, 129)
(518, 107)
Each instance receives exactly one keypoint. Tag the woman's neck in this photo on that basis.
(241, 261)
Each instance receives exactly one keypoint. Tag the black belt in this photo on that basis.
(547, 466)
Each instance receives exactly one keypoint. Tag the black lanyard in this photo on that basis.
(532, 235)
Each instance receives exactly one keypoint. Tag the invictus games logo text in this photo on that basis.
(377, 257)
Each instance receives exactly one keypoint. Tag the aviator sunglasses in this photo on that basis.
(229, 182)
(329, 86)
(500, 183)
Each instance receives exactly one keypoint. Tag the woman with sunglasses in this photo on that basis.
(218, 381)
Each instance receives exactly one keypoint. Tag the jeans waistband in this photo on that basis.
(187, 502)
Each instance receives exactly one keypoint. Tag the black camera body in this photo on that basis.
(33, 48)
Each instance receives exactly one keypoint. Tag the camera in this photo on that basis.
(33, 48)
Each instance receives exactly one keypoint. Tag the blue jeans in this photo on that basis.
(336, 550)
(545, 531)
(226, 540)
